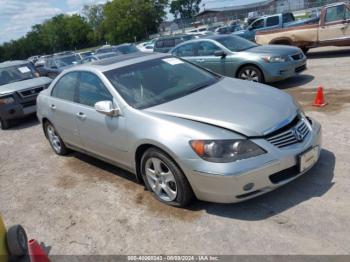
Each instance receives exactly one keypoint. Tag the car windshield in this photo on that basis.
(236, 43)
(16, 73)
(158, 81)
(67, 60)
(127, 49)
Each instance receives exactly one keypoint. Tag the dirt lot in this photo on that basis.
(79, 205)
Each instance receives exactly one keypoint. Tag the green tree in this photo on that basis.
(126, 20)
(185, 8)
(95, 16)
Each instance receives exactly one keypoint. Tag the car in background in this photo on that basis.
(147, 46)
(20, 85)
(85, 54)
(234, 56)
(33, 59)
(180, 129)
(57, 63)
(97, 57)
(272, 22)
(200, 30)
(228, 29)
(331, 29)
(166, 43)
(42, 60)
(126, 48)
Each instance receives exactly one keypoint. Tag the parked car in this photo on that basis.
(228, 29)
(85, 54)
(97, 57)
(333, 29)
(166, 43)
(57, 63)
(272, 22)
(234, 56)
(42, 60)
(180, 129)
(19, 86)
(121, 49)
(33, 59)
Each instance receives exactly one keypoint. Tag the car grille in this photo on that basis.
(298, 56)
(31, 92)
(293, 135)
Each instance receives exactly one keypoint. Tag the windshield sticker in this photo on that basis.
(24, 69)
(173, 61)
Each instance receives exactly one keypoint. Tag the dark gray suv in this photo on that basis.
(20, 85)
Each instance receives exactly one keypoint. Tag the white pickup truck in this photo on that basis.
(332, 29)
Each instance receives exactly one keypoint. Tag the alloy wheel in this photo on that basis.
(161, 179)
(250, 75)
(54, 138)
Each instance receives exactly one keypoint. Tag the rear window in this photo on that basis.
(272, 21)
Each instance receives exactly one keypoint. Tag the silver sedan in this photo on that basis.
(181, 130)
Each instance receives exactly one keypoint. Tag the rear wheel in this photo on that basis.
(55, 140)
(16, 239)
(4, 124)
(164, 178)
(251, 73)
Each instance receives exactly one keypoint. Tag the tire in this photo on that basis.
(55, 140)
(4, 124)
(251, 73)
(16, 239)
(169, 178)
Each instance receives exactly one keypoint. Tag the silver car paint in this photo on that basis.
(170, 128)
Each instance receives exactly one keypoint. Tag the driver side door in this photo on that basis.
(100, 134)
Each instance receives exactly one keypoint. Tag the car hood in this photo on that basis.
(25, 84)
(275, 50)
(245, 107)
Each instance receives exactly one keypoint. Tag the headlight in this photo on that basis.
(6, 100)
(276, 59)
(225, 151)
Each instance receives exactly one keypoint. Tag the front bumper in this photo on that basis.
(19, 109)
(274, 72)
(227, 182)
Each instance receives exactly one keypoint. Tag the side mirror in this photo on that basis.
(107, 108)
(220, 53)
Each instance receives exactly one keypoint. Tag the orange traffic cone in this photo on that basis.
(319, 100)
(36, 253)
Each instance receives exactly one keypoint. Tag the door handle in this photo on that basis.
(53, 107)
(81, 116)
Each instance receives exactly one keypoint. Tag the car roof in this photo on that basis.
(171, 36)
(118, 61)
(13, 63)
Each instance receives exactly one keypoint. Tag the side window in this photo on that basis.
(65, 88)
(335, 13)
(258, 24)
(92, 90)
(169, 42)
(159, 44)
(347, 13)
(206, 48)
(185, 50)
(272, 21)
(288, 17)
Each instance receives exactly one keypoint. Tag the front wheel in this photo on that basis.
(4, 124)
(251, 73)
(164, 178)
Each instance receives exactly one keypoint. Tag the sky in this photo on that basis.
(18, 16)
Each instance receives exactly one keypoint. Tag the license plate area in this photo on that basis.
(308, 159)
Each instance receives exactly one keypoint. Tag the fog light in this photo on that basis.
(248, 187)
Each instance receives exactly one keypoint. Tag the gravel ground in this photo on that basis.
(80, 205)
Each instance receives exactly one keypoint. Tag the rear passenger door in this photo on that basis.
(100, 134)
(62, 108)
